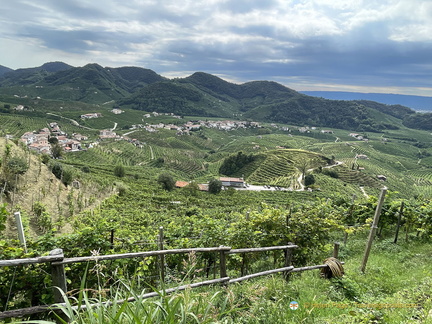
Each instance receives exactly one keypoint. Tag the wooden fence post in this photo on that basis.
(336, 250)
(398, 222)
(161, 257)
(222, 264)
(58, 277)
(288, 261)
(112, 238)
(373, 228)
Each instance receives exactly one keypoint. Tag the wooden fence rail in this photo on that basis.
(57, 261)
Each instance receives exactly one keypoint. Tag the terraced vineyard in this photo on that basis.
(282, 167)
(15, 125)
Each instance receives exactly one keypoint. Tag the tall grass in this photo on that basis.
(396, 288)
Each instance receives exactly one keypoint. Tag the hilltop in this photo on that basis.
(203, 94)
(4, 69)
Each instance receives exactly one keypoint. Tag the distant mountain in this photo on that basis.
(30, 76)
(418, 103)
(203, 94)
(91, 83)
(4, 69)
(55, 66)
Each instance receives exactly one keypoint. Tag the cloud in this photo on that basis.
(383, 43)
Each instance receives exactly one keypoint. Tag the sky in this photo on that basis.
(335, 45)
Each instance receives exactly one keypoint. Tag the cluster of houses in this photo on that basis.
(156, 114)
(39, 140)
(186, 128)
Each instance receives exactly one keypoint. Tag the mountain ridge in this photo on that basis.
(418, 103)
(201, 94)
(4, 69)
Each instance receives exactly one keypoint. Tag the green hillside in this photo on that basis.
(203, 94)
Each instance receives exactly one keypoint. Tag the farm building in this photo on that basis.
(181, 184)
(362, 156)
(232, 182)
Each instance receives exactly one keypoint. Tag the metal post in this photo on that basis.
(20, 230)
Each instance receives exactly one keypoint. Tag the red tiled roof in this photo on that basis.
(181, 184)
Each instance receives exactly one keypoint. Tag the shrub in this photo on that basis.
(17, 165)
(309, 180)
(166, 181)
(68, 176)
(330, 173)
(57, 170)
(119, 171)
(215, 186)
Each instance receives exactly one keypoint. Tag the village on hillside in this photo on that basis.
(41, 141)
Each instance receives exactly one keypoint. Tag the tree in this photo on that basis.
(53, 140)
(56, 151)
(215, 186)
(309, 180)
(119, 171)
(303, 164)
(67, 176)
(166, 181)
(192, 188)
(57, 170)
(234, 163)
(16, 165)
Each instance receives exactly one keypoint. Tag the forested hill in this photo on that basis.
(207, 95)
(4, 69)
(202, 94)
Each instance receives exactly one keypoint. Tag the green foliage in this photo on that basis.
(22, 286)
(16, 165)
(56, 169)
(419, 121)
(56, 150)
(68, 176)
(121, 188)
(234, 163)
(43, 218)
(331, 173)
(166, 181)
(45, 158)
(119, 171)
(53, 140)
(191, 189)
(3, 217)
(309, 180)
(215, 186)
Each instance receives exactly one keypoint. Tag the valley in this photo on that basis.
(91, 157)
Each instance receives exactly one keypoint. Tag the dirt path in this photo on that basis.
(364, 192)
(73, 122)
